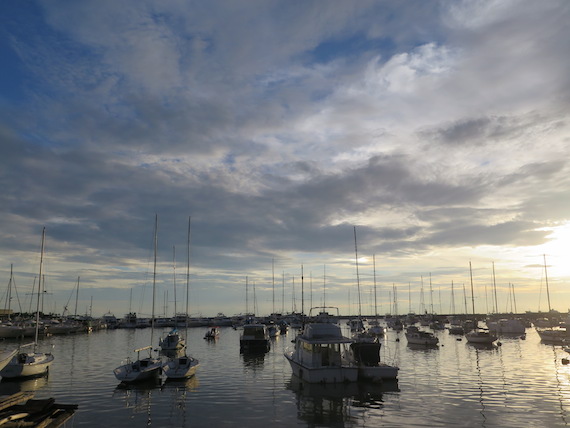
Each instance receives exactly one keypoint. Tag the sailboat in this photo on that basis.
(477, 335)
(30, 364)
(183, 366)
(551, 335)
(366, 347)
(375, 328)
(172, 341)
(148, 367)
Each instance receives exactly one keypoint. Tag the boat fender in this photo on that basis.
(565, 361)
(499, 344)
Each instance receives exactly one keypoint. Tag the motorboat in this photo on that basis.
(416, 336)
(273, 330)
(212, 333)
(456, 329)
(322, 354)
(506, 326)
(254, 338)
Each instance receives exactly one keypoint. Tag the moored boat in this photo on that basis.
(416, 336)
(254, 338)
(212, 333)
(172, 341)
(30, 364)
(322, 354)
(480, 336)
(140, 369)
(148, 367)
(367, 357)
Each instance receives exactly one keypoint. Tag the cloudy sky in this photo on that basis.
(439, 130)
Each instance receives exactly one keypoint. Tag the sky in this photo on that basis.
(433, 135)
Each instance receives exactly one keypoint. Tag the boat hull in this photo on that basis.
(485, 339)
(329, 374)
(26, 365)
(378, 373)
(139, 370)
(180, 368)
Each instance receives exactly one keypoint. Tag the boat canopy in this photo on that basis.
(325, 331)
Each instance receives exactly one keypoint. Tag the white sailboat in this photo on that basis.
(148, 367)
(551, 334)
(366, 345)
(182, 367)
(173, 341)
(478, 335)
(30, 364)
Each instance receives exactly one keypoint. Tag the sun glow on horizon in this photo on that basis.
(556, 251)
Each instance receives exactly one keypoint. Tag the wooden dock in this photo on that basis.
(21, 410)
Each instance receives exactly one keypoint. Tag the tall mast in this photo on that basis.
(9, 295)
(546, 279)
(39, 288)
(283, 292)
(472, 295)
(357, 275)
(430, 294)
(495, 290)
(375, 301)
(311, 287)
(174, 279)
(154, 280)
(452, 299)
(76, 297)
(246, 299)
(324, 286)
(187, 278)
(273, 282)
(302, 294)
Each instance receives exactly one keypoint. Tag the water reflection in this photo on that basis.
(138, 397)
(482, 346)
(253, 361)
(417, 347)
(319, 404)
(334, 404)
(13, 386)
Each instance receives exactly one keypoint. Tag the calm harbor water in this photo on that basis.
(520, 383)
